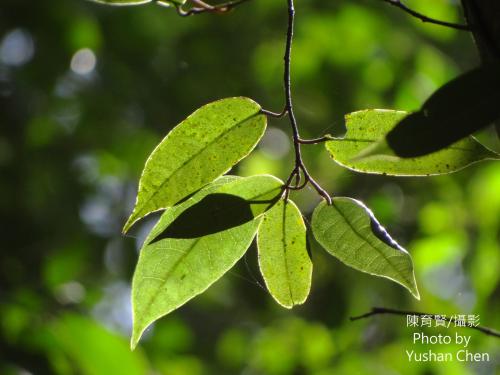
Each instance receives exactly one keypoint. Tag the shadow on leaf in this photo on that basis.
(214, 213)
(456, 110)
(380, 232)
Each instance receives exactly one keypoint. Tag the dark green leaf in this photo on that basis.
(458, 109)
(348, 230)
(214, 213)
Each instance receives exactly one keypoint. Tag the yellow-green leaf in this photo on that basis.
(198, 150)
(349, 231)
(283, 257)
(363, 148)
(177, 264)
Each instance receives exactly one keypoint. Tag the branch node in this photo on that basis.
(274, 114)
(202, 7)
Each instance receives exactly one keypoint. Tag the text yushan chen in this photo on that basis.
(461, 355)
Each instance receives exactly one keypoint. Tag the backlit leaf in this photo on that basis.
(198, 150)
(348, 230)
(363, 148)
(172, 270)
(283, 257)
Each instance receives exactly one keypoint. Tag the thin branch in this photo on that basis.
(299, 171)
(288, 86)
(299, 175)
(274, 114)
(201, 3)
(388, 311)
(202, 7)
(424, 18)
(316, 140)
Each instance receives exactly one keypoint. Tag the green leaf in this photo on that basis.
(139, 2)
(457, 109)
(348, 230)
(198, 150)
(363, 148)
(93, 349)
(172, 270)
(283, 257)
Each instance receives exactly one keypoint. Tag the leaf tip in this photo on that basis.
(287, 306)
(134, 339)
(133, 344)
(137, 332)
(414, 292)
(132, 219)
(128, 224)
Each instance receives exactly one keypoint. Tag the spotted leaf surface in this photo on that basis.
(364, 149)
(177, 264)
(198, 150)
(348, 230)
(283, 257)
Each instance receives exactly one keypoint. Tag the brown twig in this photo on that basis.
(299, 175)
(316, 140)
(202, 7)
(424, 18)
(274, 114)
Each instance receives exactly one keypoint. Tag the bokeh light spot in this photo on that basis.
(83, 61)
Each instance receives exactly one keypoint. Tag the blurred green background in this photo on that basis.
(87, 91)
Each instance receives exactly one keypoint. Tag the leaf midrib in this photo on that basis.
(169, 273)
(287, 269)
(187, 252)
(451, 147)
(207, 145)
